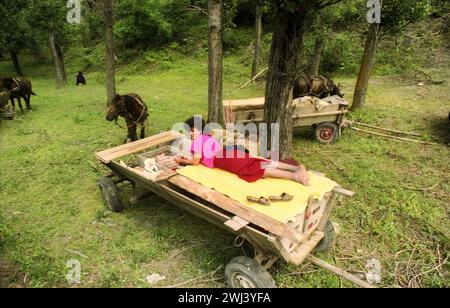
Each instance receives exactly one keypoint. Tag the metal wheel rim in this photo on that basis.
(243, 281)
(326, 133)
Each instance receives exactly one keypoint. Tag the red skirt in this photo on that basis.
(242, 164)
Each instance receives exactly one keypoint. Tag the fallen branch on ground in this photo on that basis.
(421, 189)
(253, 79)
(195, 279)
(384, 129)
(392, 137)
(339, 168)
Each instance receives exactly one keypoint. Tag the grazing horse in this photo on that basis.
(133, 109)
(20, 88)
(318, 86)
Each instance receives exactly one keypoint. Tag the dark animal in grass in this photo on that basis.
(318, 86)
(20, 87)
(133, 109)
(81, 80)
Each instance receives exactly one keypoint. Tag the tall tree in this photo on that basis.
(258, 36)
(395, 16)
(14, 34)
(215, 24)
(289, 21)
(317, 56)
(48, 19)
(368, 60)
(106, 10)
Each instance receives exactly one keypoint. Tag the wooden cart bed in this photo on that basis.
(307, 110)
(290, 237)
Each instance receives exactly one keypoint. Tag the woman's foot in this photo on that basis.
(301, 176)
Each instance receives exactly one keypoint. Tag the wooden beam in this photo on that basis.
(237, 223)
(345, 192)
(111, 154)
(267, 223)
(339, 272)
(320, 114)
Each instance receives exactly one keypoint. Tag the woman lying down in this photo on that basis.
(208, 152)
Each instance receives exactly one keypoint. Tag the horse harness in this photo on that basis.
(18, 83)
(130, 116)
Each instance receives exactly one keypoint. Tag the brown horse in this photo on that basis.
(20, 87)
(318, 86)
(133, 109)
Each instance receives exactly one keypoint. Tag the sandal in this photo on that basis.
(261, 200)
(284, 197)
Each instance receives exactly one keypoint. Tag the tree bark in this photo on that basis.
(315, 63)
(287, 43)
(16, 63)
(108, 14)
(215, 24)
(368, 60)
(58, 60)
(258, 34)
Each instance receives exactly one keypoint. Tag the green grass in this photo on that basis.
(51, 206)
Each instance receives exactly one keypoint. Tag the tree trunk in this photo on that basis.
(258, 34)
(368, 60)
(16, 63)
(315, 63)
(109, 42)
(215, 110)
(287, 43)
(58, 60)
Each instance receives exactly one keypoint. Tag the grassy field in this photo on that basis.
(52, 211)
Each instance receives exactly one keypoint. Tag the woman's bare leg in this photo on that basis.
(281, 166)
(299, 176)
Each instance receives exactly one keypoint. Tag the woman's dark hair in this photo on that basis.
(196, 122)
(80, 73)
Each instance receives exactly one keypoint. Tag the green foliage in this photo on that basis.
(141, 23)
(14, 32)
(396, 14)
(341, 54)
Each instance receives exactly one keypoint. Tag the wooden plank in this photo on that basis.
(111, 154)
(302, 251)
(339, 272)
(320, 114)
(237, 223)
(271, 225)
(245, 104)
(328, 208)
(345, 192)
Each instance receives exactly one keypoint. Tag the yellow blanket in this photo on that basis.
(232, 186)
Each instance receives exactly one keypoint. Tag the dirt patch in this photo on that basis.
(10, 277)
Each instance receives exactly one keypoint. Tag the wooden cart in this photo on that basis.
(293, 242)
(325, 115)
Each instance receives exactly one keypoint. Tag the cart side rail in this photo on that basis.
(131, 148)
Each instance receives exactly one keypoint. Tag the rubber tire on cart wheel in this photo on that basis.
(327, 133)
(329, 239)
(244, 272)
(110, 194)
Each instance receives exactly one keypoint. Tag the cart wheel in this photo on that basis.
(327, 133)
(246, 273)
(329, 240)
(110, 194)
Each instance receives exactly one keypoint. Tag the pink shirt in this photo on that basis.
(207, 146)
